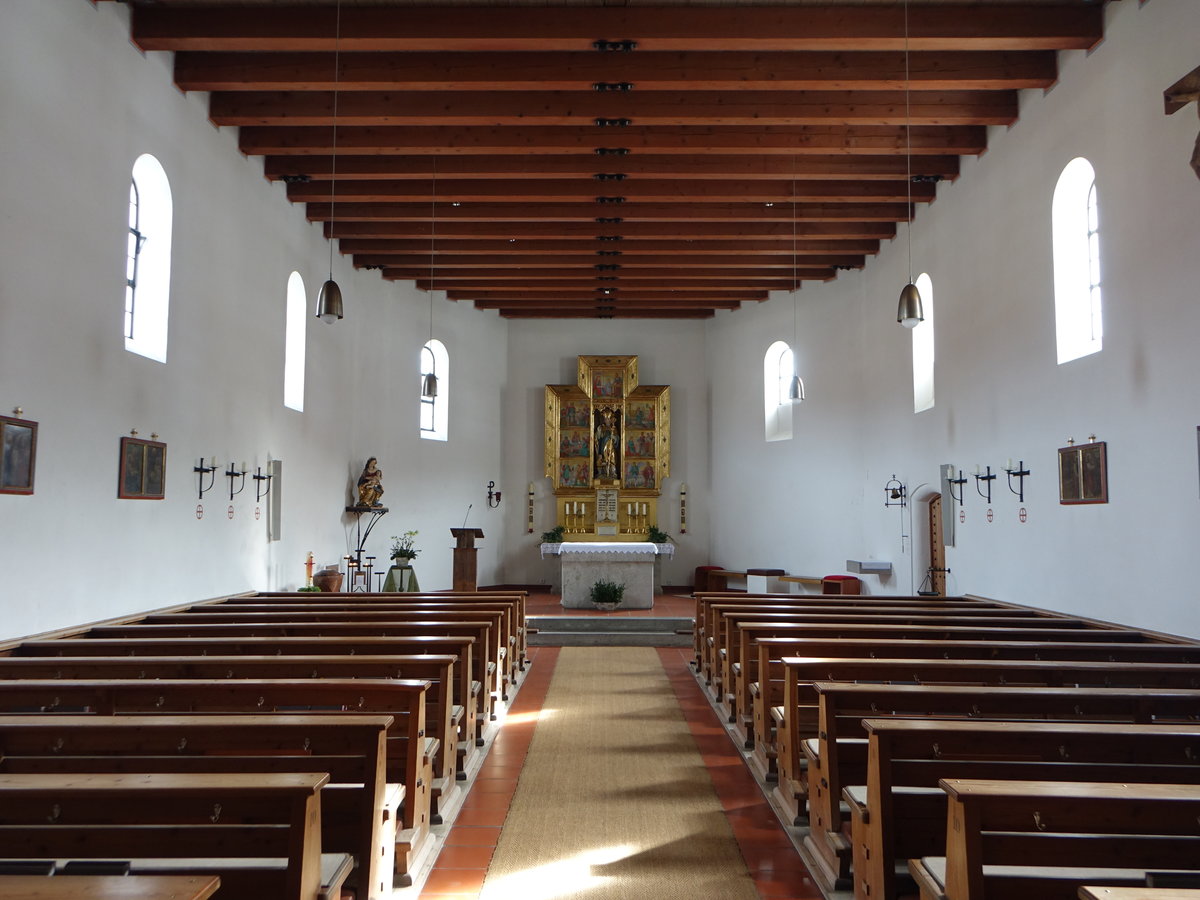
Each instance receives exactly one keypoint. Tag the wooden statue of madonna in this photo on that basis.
(370, 485)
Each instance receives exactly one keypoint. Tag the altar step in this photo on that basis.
(609, 631)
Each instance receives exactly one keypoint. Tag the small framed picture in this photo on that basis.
(18, 454)
(1083, 473)
(143, 473)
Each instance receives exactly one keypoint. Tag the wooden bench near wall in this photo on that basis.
(840, 758)
(108, 887)
(1038, 840)
(408, 750)
(270, 822)
(899, 812)
(358, 812)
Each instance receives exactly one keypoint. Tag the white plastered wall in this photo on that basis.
(810, 504)
(80, 103)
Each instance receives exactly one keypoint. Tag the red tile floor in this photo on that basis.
(772, 860)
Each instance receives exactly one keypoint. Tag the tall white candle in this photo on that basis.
(643, 509)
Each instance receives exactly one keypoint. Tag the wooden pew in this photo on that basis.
(517, 599)
(486, 662)
(709, 606)
(771, 651)
(469, 691)
(738, 628)
(770, 601)
(842, 748)
(761, 651)
(357, 812)
(798, 713)
(408, 750)
(108, 887)
(319, 651)
(1095, 892)
(502, 613)
(899, 813)
(1053, 837)
(437, 670)
(720, 651)
(214, 819)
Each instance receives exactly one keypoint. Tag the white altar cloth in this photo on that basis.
(630, 563)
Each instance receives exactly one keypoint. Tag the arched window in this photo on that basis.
(922, 348)
(148, 260)
(778, 366)
(435, 410)
(293, 344)
(1075, 220)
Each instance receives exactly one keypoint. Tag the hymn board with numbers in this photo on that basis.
(608, 449)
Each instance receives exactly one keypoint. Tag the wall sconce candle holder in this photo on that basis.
(209, 470)
(493, 495)
(234, 474)
(1019, 473)
(960, 481)
(981, 479)
(895, 493)
(259, 490)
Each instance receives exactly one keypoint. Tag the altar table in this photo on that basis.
(628, 563)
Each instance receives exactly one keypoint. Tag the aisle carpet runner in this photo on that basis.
(614, 801)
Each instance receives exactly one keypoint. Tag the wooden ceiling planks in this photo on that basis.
(613, 161)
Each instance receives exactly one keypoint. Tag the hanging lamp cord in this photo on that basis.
(432, 247)
(337, 40)
(907, 145)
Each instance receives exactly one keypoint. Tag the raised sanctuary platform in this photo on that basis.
(630, 563)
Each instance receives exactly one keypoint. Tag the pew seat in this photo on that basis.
(179, 824)
(108, 887)
(1043, 840)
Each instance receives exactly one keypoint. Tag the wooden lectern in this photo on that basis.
(464, 557)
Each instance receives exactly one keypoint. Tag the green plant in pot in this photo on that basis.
(607, 594)
(554, 535)
(403, 551)
(654, 536)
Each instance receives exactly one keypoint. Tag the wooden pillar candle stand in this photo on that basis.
(464, 557)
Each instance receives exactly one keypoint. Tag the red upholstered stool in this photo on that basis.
(700, 582)
(841, 584)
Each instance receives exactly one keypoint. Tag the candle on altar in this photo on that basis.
(308, 567)
(643, 509)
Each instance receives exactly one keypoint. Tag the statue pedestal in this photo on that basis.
(631, 564)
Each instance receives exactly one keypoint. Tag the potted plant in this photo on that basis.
(403, 551)
(654, 536)
(554, 535)
(312, 588)
(607, 594)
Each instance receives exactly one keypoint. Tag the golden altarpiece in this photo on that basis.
(608, 450)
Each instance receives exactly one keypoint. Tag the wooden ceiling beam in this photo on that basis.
(697, 70)
(519, 294)
(518, 247)
(453, 168)
(642, 108)
(599, 313)
(764, 140)
(782, 260)
(628, 230)
(588, 212)
(447, 279)
(575, 28)
(592, 303)
(581, 190)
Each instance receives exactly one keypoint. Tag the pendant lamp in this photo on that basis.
(909, 312)
(329, 300)
(429, 384)
(796, 385)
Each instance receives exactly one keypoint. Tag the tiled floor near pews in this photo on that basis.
(773, 862)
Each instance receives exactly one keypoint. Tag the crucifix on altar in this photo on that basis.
(608, 450)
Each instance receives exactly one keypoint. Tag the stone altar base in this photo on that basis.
(631, 564)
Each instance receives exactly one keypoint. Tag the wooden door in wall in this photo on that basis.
(937, 547)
